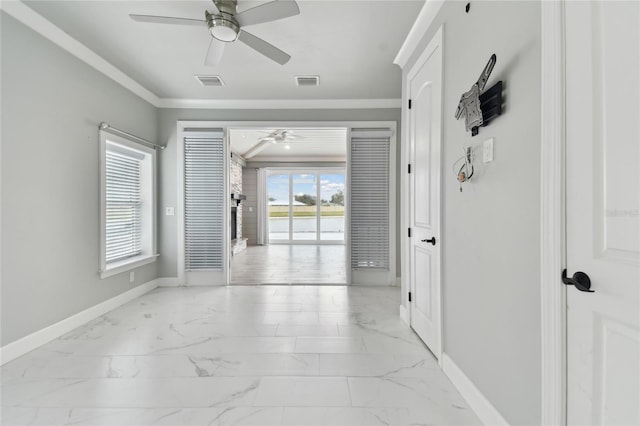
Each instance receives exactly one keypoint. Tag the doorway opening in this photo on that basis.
(288, 188)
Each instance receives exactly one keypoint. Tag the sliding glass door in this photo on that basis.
(306, 206)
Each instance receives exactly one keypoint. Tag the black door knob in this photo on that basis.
(432, 241)
(580, 280)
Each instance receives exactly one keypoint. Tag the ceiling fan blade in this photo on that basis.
(268, 12)
(214, 53)
(168, 20)
(261, 46)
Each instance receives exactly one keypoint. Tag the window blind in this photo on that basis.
(370, 199)
(123, 204)
(204, 202)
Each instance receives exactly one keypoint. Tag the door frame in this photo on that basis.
(552, 215)
(225, 125)
(405, 311)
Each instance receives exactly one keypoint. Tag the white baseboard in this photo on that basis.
(169, 282)
(28, 343)
(476, 400)
(404, 315)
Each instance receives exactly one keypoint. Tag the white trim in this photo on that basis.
(553, 293)
(419, 29)
(302, 159)
(404, 316)
(477, 401)
(170, 282)
(42, 26)
(34, 340)
(127, 264)
(279, 103)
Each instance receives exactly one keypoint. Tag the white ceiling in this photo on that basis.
(350, 44)
(309, 144)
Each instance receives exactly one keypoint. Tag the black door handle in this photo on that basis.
(580, 280)
(432, 241)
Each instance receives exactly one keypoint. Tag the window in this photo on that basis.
(306, 205)
(127, 205)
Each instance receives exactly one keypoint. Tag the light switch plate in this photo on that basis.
(169, 211)
(487, 151)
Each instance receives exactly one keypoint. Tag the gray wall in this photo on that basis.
(52, 104)
(490, 235)
(168, 132)
(250, 218)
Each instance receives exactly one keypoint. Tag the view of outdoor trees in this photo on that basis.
(297, 219)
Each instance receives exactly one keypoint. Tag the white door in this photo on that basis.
(603, 211)
(424, 90)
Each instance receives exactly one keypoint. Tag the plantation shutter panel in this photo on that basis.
(123, 234)
(204, 202)
(369, 193)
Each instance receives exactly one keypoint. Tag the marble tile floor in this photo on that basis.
(246, 355)
(290, 263)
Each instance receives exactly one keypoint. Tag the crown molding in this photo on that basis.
(42, 26)
(50, 31)
(280, 103)
(420, 27)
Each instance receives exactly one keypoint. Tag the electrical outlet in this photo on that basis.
(169, 211)
(487, 151)
(132, 276)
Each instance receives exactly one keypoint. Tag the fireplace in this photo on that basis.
(234, 223)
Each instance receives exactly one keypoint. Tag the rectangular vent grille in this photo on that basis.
(307, 80)
(210, 80)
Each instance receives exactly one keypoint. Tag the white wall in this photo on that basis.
(52, 104)
(490, 235)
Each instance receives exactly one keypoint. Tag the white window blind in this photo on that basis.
(370, 199)
(204, 202)
(123, 234)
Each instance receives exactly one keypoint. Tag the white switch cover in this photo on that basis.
(132, 276)
(250, 209)
(487, 151)
(169, 211)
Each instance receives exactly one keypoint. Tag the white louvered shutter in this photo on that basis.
(370, 199)
(123, 234)
(204, 202)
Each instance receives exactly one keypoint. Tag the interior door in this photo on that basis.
(603, 211)
(425, 144)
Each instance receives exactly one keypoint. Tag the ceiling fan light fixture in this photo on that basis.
(223, 29)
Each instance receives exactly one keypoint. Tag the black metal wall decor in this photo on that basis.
(480, 108)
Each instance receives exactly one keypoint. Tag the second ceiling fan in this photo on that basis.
(226, 25)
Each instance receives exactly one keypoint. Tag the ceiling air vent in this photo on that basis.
(307, 80)
(210, 80)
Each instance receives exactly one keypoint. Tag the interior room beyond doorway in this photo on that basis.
(289, 203)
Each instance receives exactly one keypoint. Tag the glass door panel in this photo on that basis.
(279, 205)
(332, 221)
(304, 203)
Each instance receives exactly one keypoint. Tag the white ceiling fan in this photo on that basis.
(280, 136)
(226, 26)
